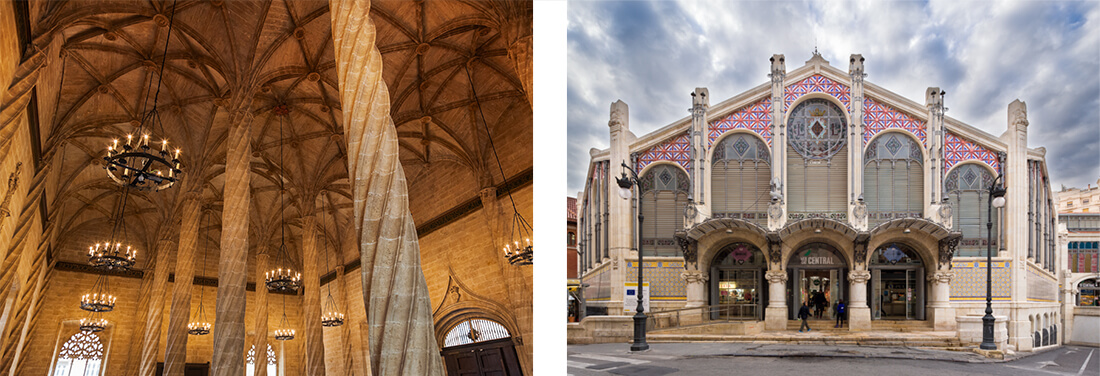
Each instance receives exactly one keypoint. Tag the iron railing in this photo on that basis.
(709, 314)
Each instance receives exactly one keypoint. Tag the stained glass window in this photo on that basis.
(250, 362)
(817, 129)
(82, 355)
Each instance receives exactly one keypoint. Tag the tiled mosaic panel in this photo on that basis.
(756, 117)
(817, 84)
(969, 280)
(676, 149)
(957, 150)
(599, 284)
(1040, 287)
(664, 279)
(878, 117)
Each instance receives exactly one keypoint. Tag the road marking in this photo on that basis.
(1036, 370)
(573, 364)
(611, 358)
(1082, 370)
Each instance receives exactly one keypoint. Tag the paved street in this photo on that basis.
(753, 359)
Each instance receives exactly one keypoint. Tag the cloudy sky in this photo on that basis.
(983, 54)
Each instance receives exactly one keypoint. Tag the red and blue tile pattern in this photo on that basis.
(957, 150)
(817, 84)
(676, 150)
(756, 117)
(878, 117)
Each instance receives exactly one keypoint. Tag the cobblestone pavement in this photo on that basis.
(747, 359)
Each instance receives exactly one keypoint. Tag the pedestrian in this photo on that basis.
(804, 314)
(841, 313)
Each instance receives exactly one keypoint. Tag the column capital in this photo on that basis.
(776, 276)
(941, 277)
(692, 277)
(859, 276)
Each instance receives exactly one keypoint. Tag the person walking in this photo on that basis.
(804, 315)
(841, 313)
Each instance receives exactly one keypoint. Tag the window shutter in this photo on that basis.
(916, 188)
(838, 182)
(796, 182)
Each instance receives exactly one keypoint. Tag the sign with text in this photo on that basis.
(817, 257)
(630, 297)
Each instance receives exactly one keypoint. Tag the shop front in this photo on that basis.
(817, 276)
(736, 283)
(897, 283)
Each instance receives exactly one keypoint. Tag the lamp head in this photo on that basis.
(625, 184)
(998, 194)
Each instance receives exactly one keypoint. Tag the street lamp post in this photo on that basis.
(996, 199)
(626, 183)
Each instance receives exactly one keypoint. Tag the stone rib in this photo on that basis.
(229, 327)
(175, 354)
(401, 329)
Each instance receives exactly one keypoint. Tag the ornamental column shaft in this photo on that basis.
(777, 210)
(229, 331)
(154, 314)
(311, 286)
(700, 140)
(399, 314)
(260, 330)
(621, 229)
(175, 353)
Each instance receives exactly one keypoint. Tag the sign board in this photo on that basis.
(630, 297)
(741, 254)
(816, 257)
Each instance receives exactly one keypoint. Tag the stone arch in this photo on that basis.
(713, 234)
(923, 236)
(815, 95)
(733, 132)
(906, 132)
(837, 234)
(460, 304)
(650, 166)
(970, 161)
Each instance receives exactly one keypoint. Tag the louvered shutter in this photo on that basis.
(916, 188)
(719, 187)
(838, 182)
(796, 182)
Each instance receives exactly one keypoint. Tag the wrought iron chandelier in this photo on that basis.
(200, 326)
(284, 333)
(113, 254)
(135, 164)
(517, 249)
(100, 298)
(331, 315)
(93, 323)
(282, 278)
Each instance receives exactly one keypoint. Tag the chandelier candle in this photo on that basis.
(96, 302)
(109, 256)
(93, 325)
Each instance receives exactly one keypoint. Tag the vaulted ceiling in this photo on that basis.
(106, 71)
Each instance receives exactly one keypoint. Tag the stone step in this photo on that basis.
(814, 339)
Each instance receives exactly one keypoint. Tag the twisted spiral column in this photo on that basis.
(229, 328)
(260, 329)
(311, 286)
(399, 313)
(175, 354)
(154, 311)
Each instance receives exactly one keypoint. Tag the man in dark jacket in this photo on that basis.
(841, 312)
(804, 314)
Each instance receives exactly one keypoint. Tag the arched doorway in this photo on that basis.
(737, 287)
(480, 347)
(817, 272)
(897, 286)
(1088, 292)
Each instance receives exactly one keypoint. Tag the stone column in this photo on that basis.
(700, 141)
(696, 288)
(1016, 220)
(777, 210)
(229, 331)
(859, 315)
(17, 96)
(175, 354)
(311, 289)
(775, 316)
(399, 314)
(260, 338)
(942, 314)
(856, 209)
(621, 230)
(154, 313)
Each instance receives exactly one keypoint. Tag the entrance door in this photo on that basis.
(737, 292)
(896, 291)
(491, 358)
(816, 274)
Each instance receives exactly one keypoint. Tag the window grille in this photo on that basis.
(740, 179)
(473, 331)
(967, 186)
(250, 361)
(82, 354)
(893, 178)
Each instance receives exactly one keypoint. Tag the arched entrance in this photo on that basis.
(817, 273)
(1088, 292)
(480, 347)
(897, 289)
(737, 285)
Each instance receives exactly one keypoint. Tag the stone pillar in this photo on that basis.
(700, 140)
(775, 315)
(154, 314)
(311, 289)
(941, 313)
(17, 96)
(1016, 219)
(933, 160)
(777, 210)
(621, 232)
(859, 314)
(399, 314)
(259, 339)
(696, 288)
(175, 354)
(229, 331)
(856, 209)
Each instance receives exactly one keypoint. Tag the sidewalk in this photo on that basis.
(727, 349)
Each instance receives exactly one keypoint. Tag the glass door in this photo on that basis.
(738, 293)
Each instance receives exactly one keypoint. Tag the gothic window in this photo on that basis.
(817, 161)
(967, 187)
(740, 178)
(250, 362)
(893, 179)
(81, 355)
(473, 331)
(664, 197)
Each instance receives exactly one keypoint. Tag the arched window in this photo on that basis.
(893, 179)
(473, 331)
(739, 178)
(664, 196)
(250, 362)
(967, 188)
(81, 355)
(817, 161)
(1088, 292)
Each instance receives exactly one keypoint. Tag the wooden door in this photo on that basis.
(491, 358)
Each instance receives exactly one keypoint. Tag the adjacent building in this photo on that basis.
(1079, 242)
(819, 184)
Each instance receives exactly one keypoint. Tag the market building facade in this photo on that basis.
(817, 186)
